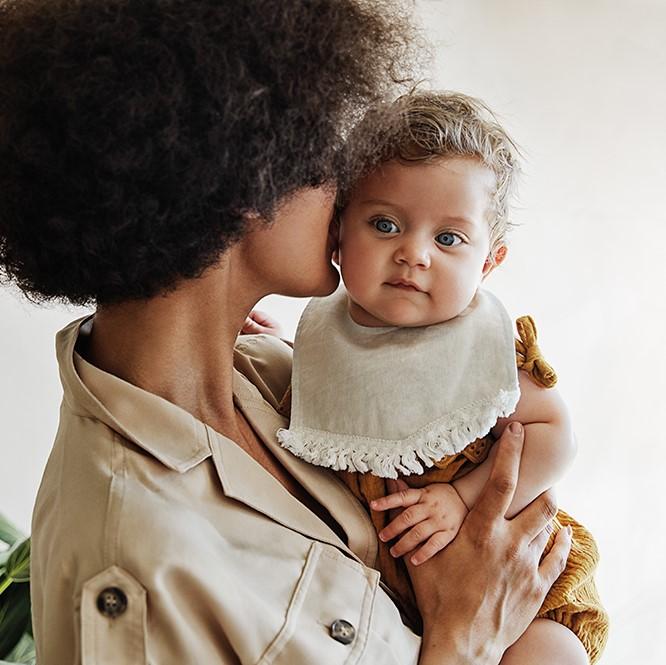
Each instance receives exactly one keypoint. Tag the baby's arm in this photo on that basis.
(549, 447)
(432, 515)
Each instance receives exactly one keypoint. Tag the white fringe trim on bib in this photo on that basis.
(386, 458)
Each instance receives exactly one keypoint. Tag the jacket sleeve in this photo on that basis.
(266, 361)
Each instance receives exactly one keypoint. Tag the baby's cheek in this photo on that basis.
(355, 282)
(456, 293)
(359, 276)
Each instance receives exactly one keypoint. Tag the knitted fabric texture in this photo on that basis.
(529, 356)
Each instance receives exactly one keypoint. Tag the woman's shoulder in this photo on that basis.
(266, 362)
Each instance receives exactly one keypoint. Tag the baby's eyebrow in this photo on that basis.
(381, 202)
(461, 221)
(447, 219)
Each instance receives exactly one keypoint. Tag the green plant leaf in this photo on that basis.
(18, 563)
(23, 652)
(8, 532)
(14, 616)
(17, 567)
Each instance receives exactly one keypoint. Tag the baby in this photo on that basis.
(410, 371)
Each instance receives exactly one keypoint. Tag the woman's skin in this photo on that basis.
(180, 347)
(504, 583)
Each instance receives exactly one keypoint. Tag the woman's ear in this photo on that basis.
(494, 259)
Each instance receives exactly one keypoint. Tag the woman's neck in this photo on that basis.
(179, 345)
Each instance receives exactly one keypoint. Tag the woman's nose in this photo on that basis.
(414, 254)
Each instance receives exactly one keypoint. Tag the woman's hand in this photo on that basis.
(479, 594)
(260, 322)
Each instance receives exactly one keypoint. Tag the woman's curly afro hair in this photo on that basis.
(135, 135)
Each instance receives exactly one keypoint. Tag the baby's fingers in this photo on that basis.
(436, 543)
(402, 499)
(260, 322)
(408, 517)
(414, 537)
(250, 326)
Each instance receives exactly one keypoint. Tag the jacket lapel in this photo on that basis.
(246, 480)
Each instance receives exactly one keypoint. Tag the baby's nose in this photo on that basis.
(414, 254)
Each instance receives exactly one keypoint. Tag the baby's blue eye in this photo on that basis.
(448, 239)
(384, 225)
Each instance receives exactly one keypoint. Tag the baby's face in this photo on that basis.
(414, 241)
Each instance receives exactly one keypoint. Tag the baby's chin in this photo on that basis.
(402, 314)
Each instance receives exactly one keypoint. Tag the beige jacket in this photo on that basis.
(157, 540)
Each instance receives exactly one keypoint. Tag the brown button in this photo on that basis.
(342, 631)
(112, 602)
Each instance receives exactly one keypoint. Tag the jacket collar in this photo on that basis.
(180, 441)
(169, 433)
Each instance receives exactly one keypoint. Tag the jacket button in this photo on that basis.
(112, 602)
(342, 631)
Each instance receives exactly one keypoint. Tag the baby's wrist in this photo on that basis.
(460, 496)
(462, 501)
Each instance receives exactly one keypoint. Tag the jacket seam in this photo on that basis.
(114, 502)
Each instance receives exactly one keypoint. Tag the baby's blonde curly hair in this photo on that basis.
(424, 126)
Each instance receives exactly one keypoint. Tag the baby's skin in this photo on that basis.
(414, 247)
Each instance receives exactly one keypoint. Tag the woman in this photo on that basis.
(173, 162)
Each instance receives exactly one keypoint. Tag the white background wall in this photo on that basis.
(582, 86)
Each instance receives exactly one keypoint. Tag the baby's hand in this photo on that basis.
(433, 516)
(260, 322)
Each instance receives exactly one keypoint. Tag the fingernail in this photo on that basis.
(549, 528)
(515, 428)
(569, 531)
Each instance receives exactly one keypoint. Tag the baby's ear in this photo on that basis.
(495, 259)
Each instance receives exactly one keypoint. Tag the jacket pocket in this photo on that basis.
(113, 619)
(328, 618)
